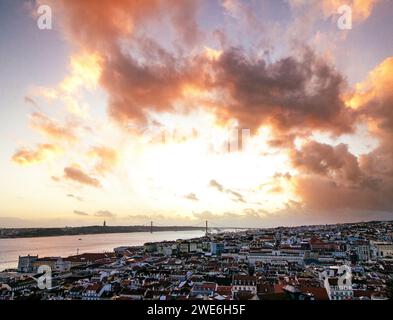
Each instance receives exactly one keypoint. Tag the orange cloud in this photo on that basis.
(106, 158)
(331, 178)
(375, 101)
(291, 93)
(378, 85)
(41, 153)
(327, 196)
(51, 128)
(77, 175)
(85, 70)
(98, 29)
(361, 9)
(323, 159)
(100, 24)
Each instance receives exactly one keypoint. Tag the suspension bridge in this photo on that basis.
(207, 225)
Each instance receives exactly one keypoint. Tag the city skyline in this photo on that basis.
(248, 113)
(338, 262)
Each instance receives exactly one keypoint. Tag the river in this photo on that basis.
(11, 249)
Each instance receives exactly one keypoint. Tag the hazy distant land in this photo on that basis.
(71, 231)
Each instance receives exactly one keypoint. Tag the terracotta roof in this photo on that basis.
(317, 292)
(278, 288)
(224, 290)
(240, 277)
(96, 287)
(89, 257)
(206, 286)
(363, 293)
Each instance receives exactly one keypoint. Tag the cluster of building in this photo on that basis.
(330, 262)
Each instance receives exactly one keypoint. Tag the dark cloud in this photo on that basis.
(326, 160)
(322, 195)
(295, 96)
(77, 175)
(298, 94)
(291, 93)
(105, 214)
(191, 196)
(184, 18)
(80, 213)
(237, 197)
(155, 79)
(31, 101)
(334, 181)
(136, 88)
(75, 197)
(331, 179)
(215, 184)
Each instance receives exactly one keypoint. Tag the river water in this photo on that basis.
(11, 249)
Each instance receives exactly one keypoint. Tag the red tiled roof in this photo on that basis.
(94, 287)
(278, 288)
(209, 285)
(317, 292)
(363, 293)
(89, 257)
(224, 290)
(240, 277)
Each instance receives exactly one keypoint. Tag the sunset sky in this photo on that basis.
(130, 111)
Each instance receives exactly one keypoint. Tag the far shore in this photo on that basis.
(14, 233)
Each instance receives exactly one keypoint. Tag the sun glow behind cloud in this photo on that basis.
(147, 123)
(168, 163)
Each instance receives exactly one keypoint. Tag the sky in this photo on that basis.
(252, 113)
